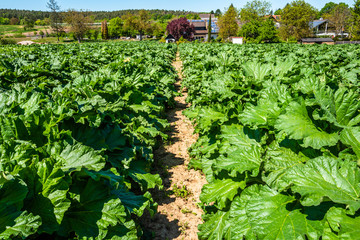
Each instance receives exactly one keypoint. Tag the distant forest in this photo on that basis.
(97, 15)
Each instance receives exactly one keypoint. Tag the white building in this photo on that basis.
(237, 40)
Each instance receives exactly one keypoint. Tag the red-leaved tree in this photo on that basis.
(181, 28)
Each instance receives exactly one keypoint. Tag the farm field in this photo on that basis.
(93, 139)
(279, 139)
(13, 29)
(78, 124)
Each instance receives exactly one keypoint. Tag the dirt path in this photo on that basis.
(178, 214)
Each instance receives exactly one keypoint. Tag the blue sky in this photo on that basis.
(192, 5)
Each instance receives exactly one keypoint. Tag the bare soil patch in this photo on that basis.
(178, 214)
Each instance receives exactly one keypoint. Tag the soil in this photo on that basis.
(178, 214)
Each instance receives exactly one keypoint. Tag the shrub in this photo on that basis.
(7, 41)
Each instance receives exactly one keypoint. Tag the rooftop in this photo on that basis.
(206, 16)
(317, 40)
(317, 23)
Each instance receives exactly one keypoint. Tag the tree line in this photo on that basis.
(81, 24)
(157, 14)
(255, 21)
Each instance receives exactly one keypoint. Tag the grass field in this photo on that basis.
(9, 28)
(13, 29)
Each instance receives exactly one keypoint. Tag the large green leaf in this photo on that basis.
(47, 197)
(261, 115)
(14, 222)
(326, 178)
(20, 224)
(238, 219)
(340, 107)
(240, 153)
(297, 124)
(16, 155)
(351, 136)
(135, 203)
(256, 70)
(220, 191)
(107, 137)
(76, 156)
(125, 231)
(281, 68)
(93, 210)
(139, 173)
(276, 216)
(346, 227)
(207, 116)
(241, 160)
(215, 227)
(235, 135)
(347, 107)
(279, 161)
(261, 213)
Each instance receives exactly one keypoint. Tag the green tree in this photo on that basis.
(209, 27)
(255, 9)
(28, 23)
(340, 16)
(116, 27)
(89, 34)
(278, 12)
(4, 21)
(158, 29)
(96, 33)
(327, 9)
(79, 23)
(56, 18)
(228, 23)
(268, 32)
(143, 24)
(295, 20)
(218, 13)
(130, 22)
(250, 30)
(355, 21)
(257, 25)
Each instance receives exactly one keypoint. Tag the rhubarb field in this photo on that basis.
(78, 124)
(278, 126)
(279, 141)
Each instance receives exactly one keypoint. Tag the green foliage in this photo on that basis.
(340, 16)
(79, 23)
(227, 23)
(77, 131)
(181, 192)
(56, 18)
(96, 34)
(256, 27)
(355, 19)
(258, 31)
(4, 21)
(7, 41)
(279, 130)
(116, 27)
(218, 13)
(295, 20)
(209, 27)
(27, 23)
(268, 32)
(255, 10)
(327, 9)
